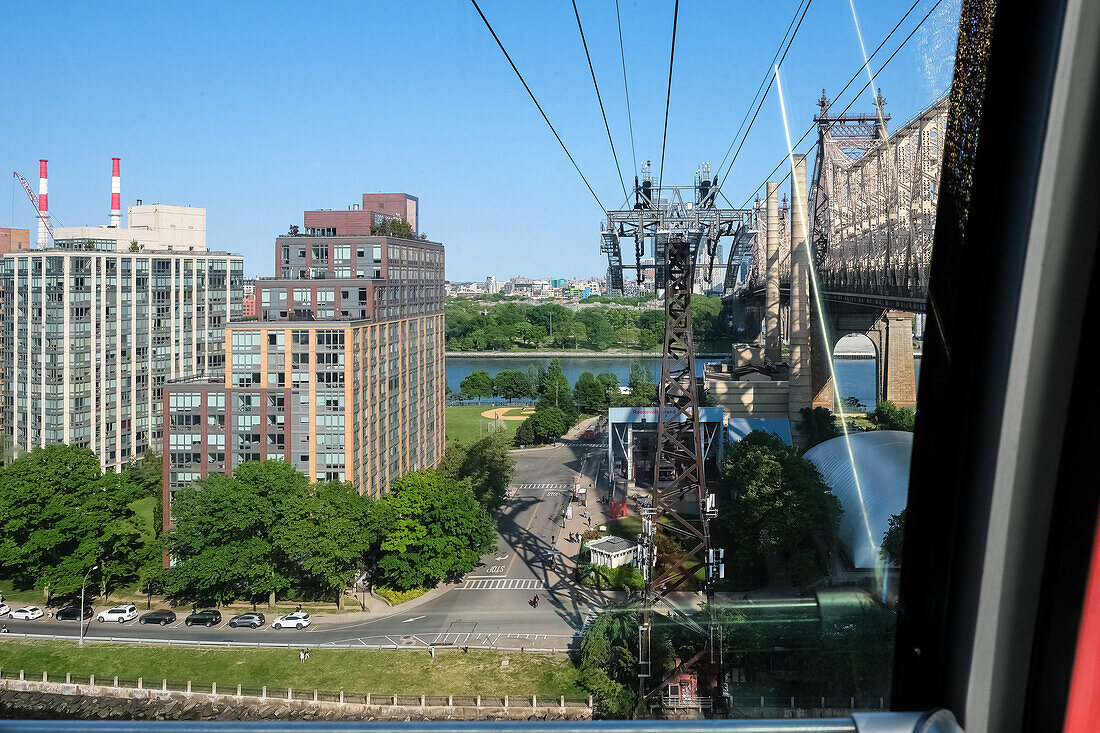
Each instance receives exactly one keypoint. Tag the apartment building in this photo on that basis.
(342, 375)
(90, 336)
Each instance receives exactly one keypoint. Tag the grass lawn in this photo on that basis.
(376, 671)
(464, 423)
(144, 509)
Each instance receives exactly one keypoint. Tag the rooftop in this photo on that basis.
(611, 545)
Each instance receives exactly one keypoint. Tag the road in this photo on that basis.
(490, 607)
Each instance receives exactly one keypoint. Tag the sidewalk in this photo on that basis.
(596, 488)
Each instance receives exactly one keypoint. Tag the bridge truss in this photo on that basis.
(872, 207)
(873, 201)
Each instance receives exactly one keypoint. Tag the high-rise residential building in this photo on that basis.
(342, 374)
(91, 334)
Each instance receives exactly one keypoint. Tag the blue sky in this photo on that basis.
(257, 112)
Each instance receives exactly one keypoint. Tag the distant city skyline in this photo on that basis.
(417, 98)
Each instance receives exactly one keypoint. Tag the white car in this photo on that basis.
(29, 613)
(5, 609)
(121, 614)
(296, 620)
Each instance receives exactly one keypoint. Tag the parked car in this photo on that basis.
(252, 619)
(121, 614)
(72, 612)
(27, 613)
(207, 617)
(5, 609)
(161, 616)
(296, 620)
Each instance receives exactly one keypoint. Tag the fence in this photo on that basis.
(93, 685)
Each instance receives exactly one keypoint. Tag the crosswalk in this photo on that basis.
(543, 486)
(497, 639)
(502, 584)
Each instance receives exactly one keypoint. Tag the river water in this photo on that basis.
(856, 376)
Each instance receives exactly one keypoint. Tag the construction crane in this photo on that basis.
(34, 202)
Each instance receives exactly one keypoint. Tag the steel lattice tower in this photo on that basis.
(681, 502)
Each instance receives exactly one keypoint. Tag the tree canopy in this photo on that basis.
(391, 227)
(591, 395)
(773, 499)
(433, 528)
(266, 529)
(893, 538)
(487, 465)
(888, 416)
(496, 324)
(60, 515)
(818, 425)
(477, 384)
(512, 384)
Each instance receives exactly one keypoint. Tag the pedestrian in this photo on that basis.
(302, 655)
(307, 653)
(4, 629)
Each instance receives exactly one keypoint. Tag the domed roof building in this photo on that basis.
(881, 460)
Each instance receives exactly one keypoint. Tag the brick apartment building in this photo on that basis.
(342, 375)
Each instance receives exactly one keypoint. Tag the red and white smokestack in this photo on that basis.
(43, 205)
(116, 195)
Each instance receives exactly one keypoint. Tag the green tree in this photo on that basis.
(477, 384)
(147, 474)
(432, 528)
(647, 340)
(853, 405)
(598, 330)
(652, 320)
(608, 664)
(893, 539)
(328, 533)
(223, 541)
(889, 416)
(591, 396)
(818, 425)
(512, 384)
(60, 515)
(609, 382)
(642, 389)
(486, 465)
(577, 333)
(530, 334)
(549, 423)
(392, 228)
(554, 390)
(773, 499)
(525, 433)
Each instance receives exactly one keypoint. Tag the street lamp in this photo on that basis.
(81, 616)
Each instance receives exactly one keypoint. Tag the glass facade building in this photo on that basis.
(90, 337)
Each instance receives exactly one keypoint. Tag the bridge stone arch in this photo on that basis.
(867, 349)
(891, 335)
